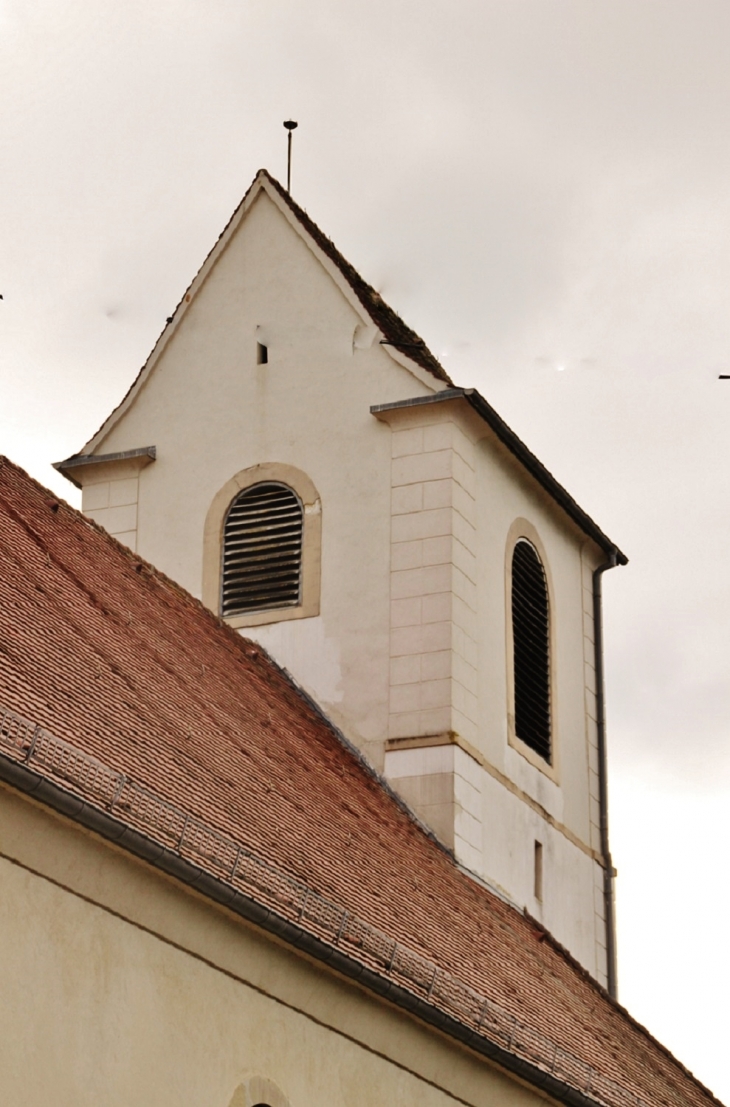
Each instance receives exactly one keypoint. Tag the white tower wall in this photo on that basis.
(408, 649)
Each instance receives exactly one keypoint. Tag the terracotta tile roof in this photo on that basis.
(115, 658)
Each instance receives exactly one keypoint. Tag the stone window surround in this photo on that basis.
(300, 483)
(522, 528)
(258, 1091)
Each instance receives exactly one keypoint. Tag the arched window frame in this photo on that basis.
(258, 1091)
(523, 530)
(300, 483)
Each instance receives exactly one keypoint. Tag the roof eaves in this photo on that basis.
(143, 455)
(172, 862)
(519, 450)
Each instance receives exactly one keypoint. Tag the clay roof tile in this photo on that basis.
(109, 654)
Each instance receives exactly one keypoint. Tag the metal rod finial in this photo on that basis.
(290, 126)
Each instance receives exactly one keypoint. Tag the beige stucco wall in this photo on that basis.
(418, 510)
(120, 986)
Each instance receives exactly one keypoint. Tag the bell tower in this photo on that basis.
(294, 455)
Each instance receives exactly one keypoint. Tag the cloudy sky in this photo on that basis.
(540, 188)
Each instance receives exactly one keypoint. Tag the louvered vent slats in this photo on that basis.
(262, 550)
(531, 634)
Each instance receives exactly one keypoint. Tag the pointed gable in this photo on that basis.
(395, 332)
(404, 345)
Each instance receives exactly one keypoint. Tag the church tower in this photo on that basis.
(293, 455)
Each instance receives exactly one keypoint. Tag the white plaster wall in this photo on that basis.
(493, 833)
(500, 800)
(412, 635)
(313, 658)
(510, 829)
(480, 614)
(211, 411)
(569, 909)
(504, 496)
(110, 497)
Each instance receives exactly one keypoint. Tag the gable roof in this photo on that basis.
(115, 659)
(396, 334)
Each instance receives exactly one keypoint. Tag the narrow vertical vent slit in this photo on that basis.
(538, 872)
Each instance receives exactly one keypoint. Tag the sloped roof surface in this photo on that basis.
(395, 331)
(115, 658)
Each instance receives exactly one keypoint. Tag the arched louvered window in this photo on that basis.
(262, 550)
(531, 638)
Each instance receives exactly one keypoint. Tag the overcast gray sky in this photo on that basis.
(540, 188)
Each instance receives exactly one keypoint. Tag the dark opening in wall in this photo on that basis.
(531, 633)
(262, 550)
(538, 871)
(262, 354)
